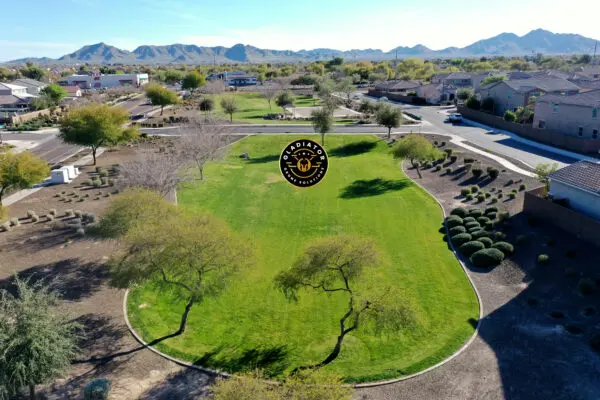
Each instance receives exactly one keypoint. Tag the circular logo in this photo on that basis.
(303, 163)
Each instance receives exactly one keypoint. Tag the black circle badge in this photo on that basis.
(303, 163)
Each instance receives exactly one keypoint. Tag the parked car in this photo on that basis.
(455, 117)
(383, 99)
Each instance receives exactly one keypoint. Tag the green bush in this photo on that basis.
(471, 247)
(453, 220)
(489, 225)
(438, 168)
(503, 216)
(98, 389)
(468, 219)
(523, 239)
(448, 152)
(481, 198)
(471, 225)
(481, 233)
(486, 241)
(459, 211)
(460, 239)
(493, 172)
(469, 197)
(510, 116)
(488, 195)
(504, 247)
(477, 172)
(512, 195)
(465, 192)
(483, 220)
(543, 259)
(456, 230)
(448, 171)
(103, 173)
(490, 210)
(474, 189)
(469, 160)
(30, 213)
(522, 187)
(52, 212)
(453, 158)
(475, 212)
(491, 216)
(586, 286)
(487, 258)
(499, 236)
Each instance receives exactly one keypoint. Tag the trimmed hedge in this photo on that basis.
(483, 220)
(490, 210)
(543, 259)
(456, 230)
(453, 221)
(475, 213)
(471, 247)
(466, 220)
(486, 241)
(487, 258)
(505, 247)
(461, 238)
(481, 233)
(459, 211)
(471, 225)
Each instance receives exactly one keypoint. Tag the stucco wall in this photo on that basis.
(579, 200)
(567, 119)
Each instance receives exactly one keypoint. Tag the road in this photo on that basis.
(48, 146)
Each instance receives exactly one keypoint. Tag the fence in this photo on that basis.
(577, 224)
(556, 139)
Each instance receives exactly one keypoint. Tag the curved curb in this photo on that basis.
(359, 385)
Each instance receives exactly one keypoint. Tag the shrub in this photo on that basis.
(471, 247)
(493, 172)
(69, 213)
(486, 241)
(483, 220)
(489, 225)
(480, 234)
(50, 217)
(30, 213)
(52, 212)
(104, 181)
(89, 218)
(448, 171)
(97, 183)
(499, 236)
(448, 152)
(510, 116)
(512, 195)
(78, 213)
(474, 189)
(461, 238)
(103, 173)
(469, 197)
(481, 198)
(88, 182)
(586, 286)
(504, 247)
(473, 224)
(469, 219)
(456, 230)
(487, 258)
(523, 239)
(98, 389)
(469, 160)
(5, 227)
(543, 259)
(465, 192)
(491, 216)
(453, 158)
(491, 210)
(35, 218)
(503, 216)
(80, 232)
(459, 211)
(522, 187)
(15, 221)
(438, 168)
(477, 172)
(475, 212)
(488, 195)
(453, 220)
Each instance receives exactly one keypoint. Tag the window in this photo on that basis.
(510, 95)
(580, 132)
(542, 124)
(555, 108)
(595, 113)
(595, 134)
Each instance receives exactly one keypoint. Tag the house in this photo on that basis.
(398, 87)
(101, 81)
(590, 72)
(510, 95)
(14, 98)
(236, 78)
(576, 115)
(8, 89)
(33, 87)
(432, 93)
(73, 92)
(579, 184)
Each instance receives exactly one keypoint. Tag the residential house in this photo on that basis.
(101, 81)
(14, 98)
(235, 78)
(432, 93)
(510, 95)
(454, 81)
(33, 87)
(579, 184)
(576, 115)
(591, 72)
(398, 87)
(73, 92)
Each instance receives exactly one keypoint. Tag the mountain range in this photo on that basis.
(505, 44)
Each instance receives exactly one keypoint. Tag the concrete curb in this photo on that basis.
(357, 386)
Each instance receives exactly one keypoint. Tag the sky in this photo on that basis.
(43, 28)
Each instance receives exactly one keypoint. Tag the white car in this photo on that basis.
(455, 117)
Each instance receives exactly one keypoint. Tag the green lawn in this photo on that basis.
(253, 106)
(252, 324)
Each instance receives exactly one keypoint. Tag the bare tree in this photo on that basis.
(200, 143)
(161, 172)
(269, 92)
(213, 87)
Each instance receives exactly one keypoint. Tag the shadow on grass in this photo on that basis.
(271, 360)
(353, 149)
(373, 187)
(264, 160)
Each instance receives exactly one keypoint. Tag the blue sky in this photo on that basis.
(54, 28)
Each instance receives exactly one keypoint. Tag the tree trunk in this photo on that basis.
(94, 154)
(32, 391)
(184, 317)
(334, 354)
(323, 139)
(419, 172)
(389, 132)
(162, 108)
(201, 174)
(231, 118)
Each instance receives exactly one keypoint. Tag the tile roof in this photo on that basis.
(12, 100)
(11, 86)
(459, 75)
(547, 84)
(398, 85)
(589, 99)
(584, 175)
(29, 82)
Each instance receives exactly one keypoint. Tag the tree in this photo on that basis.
(192, 255)
(229, 105)
(284, 99)
(542, 172)
(390, 117)
(193, 81)
(269, 92)
(160, 172)
(337, 265)
(37, 341)
(201, 143)
(492, 79)
(305, 385)
(261, 78)
(366, 107)
(488, 105)
(206, 105)
(54, 92)
(464, 94)
(473, 103)
(322, 121)
(19, 171)
(32, 71)
(95, 125)
(161, 96)
(510, 116)
(347, 87)
(173, 76)
(417, 149)
(524, 115)
(39, 103)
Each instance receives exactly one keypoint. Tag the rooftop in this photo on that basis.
(29, 83)
(590, 99)
(584, 175)
(547, 84)
(10, 86)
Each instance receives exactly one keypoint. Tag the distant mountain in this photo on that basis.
(506, 44)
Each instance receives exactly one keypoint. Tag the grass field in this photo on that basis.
(252, 324)
(253, 106)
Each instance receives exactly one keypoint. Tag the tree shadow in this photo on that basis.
(372, 187)
(72, 279)
(353, 149)
(271, 360)
(101, 334)
(187, 384)
(264, 160)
